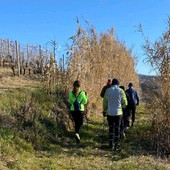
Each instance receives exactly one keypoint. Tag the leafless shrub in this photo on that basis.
(158, 56)
(26, 117)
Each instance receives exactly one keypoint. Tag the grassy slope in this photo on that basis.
(92, 153)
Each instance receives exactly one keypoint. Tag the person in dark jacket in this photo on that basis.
(133, 101)
(124, 120)
(109, 84)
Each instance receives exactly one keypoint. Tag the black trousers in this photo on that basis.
(131, 111)
(78, 117)
(124, 120)
(114, 123)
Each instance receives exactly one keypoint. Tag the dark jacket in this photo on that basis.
(104, 90)
(132, 97)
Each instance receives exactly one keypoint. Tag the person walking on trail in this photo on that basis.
(113, 102)
(133, 101)
(77, 100)
(124, 119)
(109, 83)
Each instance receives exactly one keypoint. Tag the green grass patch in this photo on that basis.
(46, 144)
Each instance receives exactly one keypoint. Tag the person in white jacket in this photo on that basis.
(113, 102)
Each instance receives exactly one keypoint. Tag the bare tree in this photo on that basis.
(158, 56)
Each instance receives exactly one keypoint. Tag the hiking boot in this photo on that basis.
(116, 147)
(132, 124)
(122, 135)
(77, 138)
(110, 145)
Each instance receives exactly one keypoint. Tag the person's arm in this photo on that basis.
(137, 97)
(104, 107)
(127, 97)
(124, 99)
(102, 92)
(105, 101)
(84, 98)
(70, 98)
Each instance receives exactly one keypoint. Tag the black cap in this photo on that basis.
(115, 82)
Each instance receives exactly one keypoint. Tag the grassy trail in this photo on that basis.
(136, 151)
(18, 154)
(93, 153)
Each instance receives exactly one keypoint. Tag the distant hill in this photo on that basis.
(147, 83)
(143, 77)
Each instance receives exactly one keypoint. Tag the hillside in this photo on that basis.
(145, 79)
(54, 147)
(146, 82)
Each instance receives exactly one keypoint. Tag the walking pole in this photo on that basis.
(101, 128)
(85, 116)
(86, 121)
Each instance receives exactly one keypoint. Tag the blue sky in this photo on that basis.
(37, 22)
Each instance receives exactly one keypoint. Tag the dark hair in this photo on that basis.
(76, 86)
(130, 84)
(122, 87)
(115, 82)
(76, 83)
(109, 82)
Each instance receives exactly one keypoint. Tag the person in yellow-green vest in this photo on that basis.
(77, 100)
(113, 102)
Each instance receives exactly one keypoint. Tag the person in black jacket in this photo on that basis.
(124, 120)
(109, 84)
(133, 101)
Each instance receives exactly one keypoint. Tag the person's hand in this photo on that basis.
(104, 114)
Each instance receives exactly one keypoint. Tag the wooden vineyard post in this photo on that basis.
(17, 56)
(41, 60)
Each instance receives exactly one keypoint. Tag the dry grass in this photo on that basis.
(158, 56)
(96, 57)
(16, 153)
(8, 81)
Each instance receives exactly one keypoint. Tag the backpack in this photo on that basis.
(77, 105)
